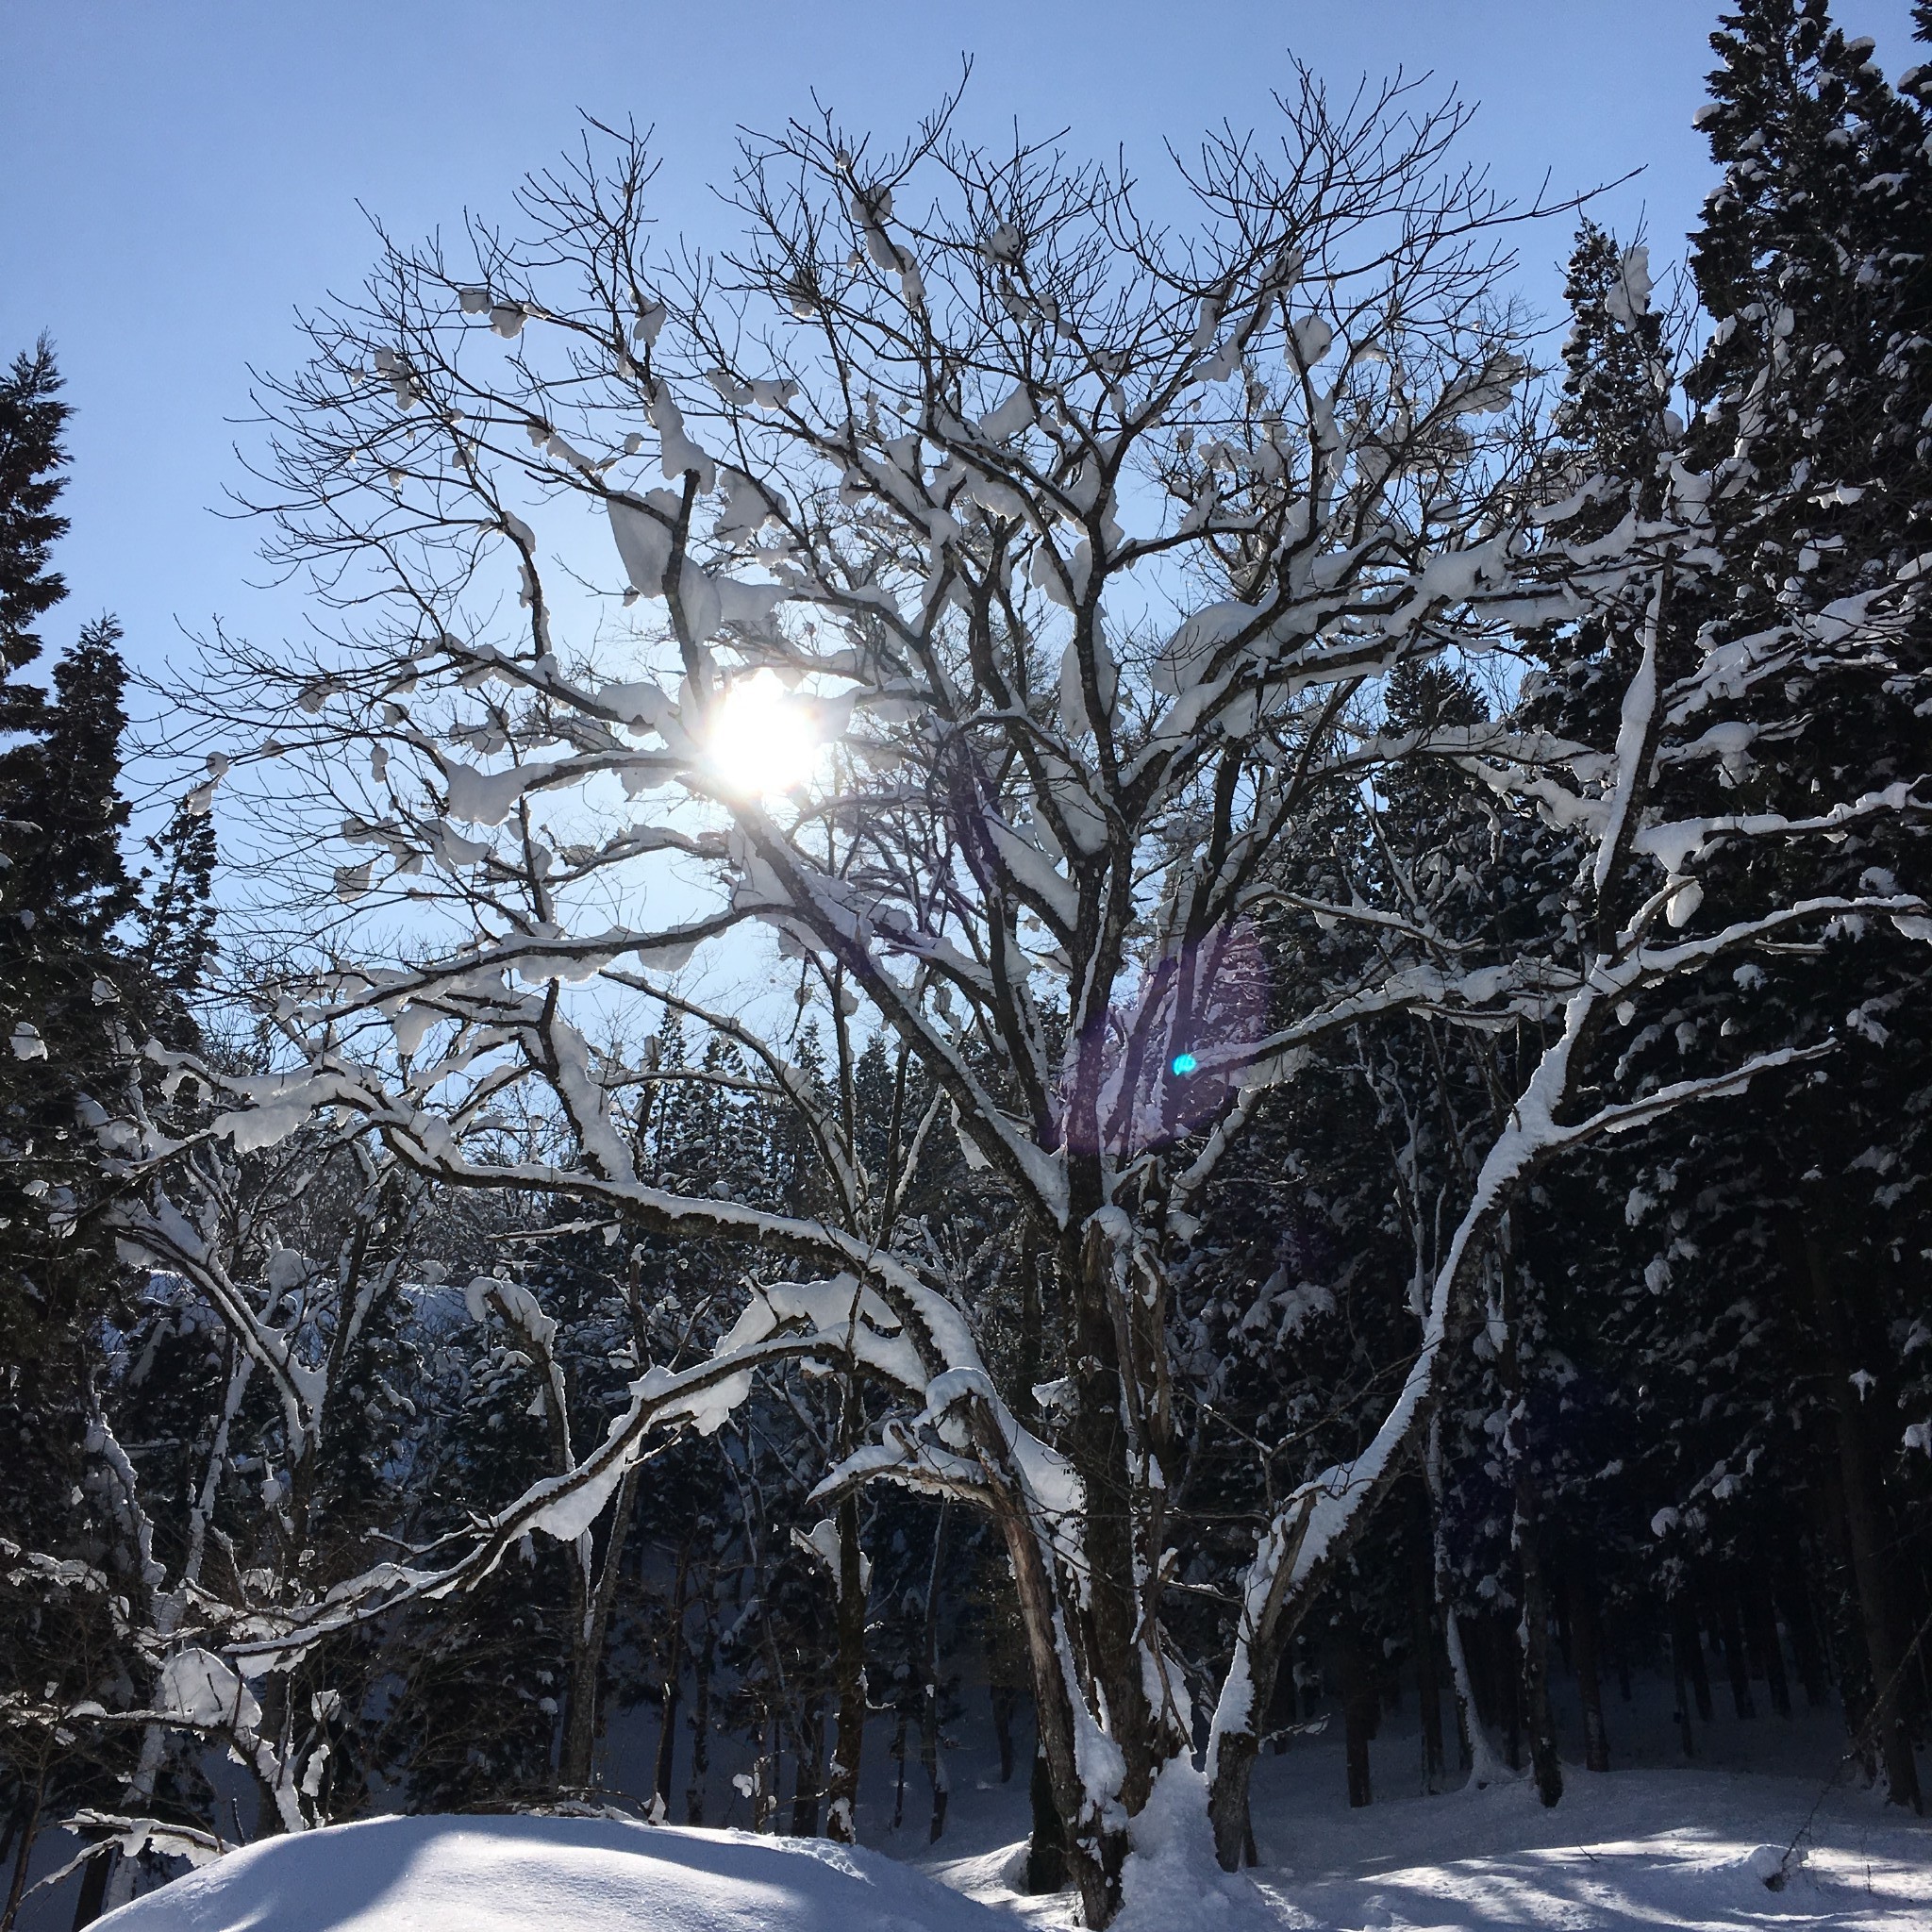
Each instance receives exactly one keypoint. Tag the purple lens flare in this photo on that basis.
(1160, 1068)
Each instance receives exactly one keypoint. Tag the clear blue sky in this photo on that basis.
(177, 178)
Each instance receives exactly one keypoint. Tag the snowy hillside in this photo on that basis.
(1627, 1852)
(1684, 1850)
(564, 1875)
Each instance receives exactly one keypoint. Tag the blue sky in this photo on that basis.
(176, 179)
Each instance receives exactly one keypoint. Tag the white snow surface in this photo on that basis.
(557, 1875)
(1639, 1851)
(1661, 1846)
(1636, 1851)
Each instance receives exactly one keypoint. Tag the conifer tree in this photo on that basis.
(87, 971)
(63, 891)
(1812, 394)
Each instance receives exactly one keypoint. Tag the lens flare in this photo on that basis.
(763, 740)
(1165, 1066)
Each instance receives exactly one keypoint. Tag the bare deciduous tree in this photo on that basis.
(1080, 549)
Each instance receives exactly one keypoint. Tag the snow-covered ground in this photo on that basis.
(1636, 1851)
(1658, 1846)
(1648, 1850)
(549, 1874)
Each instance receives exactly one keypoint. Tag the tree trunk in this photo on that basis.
(580, 1706)
(1046, 1850)
(1807, 1648)
(1113, 1609)
(1761, 1634)
(29, 1827)
(1422, 1624)
(1537, 1718)
(1477, 1758)
(575, 1761)
(1005, 1701)
(674, 1682)
(848, 1670)
(1359, 1711)
(1533, 1631)
(766, 1775)
(807, 1785)
(1505, 1681)
(1687, 1735)
(1094, 1848)
(1868, 1531)
(1736, 1664)
(1107, 1626)
(929, 1698)
(1586, 1637)
(1534, 1638)
(701, 1717)
(1235, 1749)
(93, 1888)
(848, 1745)
(1686, 1641)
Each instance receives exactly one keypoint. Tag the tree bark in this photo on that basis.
(1004, 1700)
(1533, 1637)
(1533, 1630)
(1806, 1646)
(1761, 1634)
(1095, 1643)
(29, 1827)
(848, 1744)
(1538, 1719)
(1422, 1621)
(1479, 1758)
(1084, 1849)
(673, 1683)
(1687, 1735)
(1686, 1641)
(1736, 1664)
(766, 1775)
(1046, 1850)
(701, 1715)
(1113, 1619)
(808, 1782)
(1586, 1637)
(848, 1670)
(93, 1888)
(1359, 1711)
(929, 1698)
(575, 1761)
(1506, 1682)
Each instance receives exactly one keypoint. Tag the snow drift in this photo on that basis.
(562, 1874)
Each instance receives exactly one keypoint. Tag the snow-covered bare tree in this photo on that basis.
(973, 589)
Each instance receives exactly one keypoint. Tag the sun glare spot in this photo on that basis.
(1184, 1064)
(763, 739)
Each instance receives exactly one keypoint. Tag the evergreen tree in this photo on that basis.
(31, 457)
(1813, 395)
(63, 892)
(78, 995)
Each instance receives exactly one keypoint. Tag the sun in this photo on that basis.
(763, 740)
